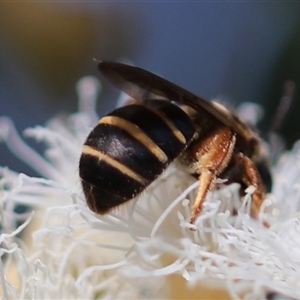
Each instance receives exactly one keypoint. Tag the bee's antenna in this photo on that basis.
(284, 106)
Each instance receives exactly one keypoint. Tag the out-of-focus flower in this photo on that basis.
(131, 252)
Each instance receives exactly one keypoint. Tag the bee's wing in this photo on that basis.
(139, 83)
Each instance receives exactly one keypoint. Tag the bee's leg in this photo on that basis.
(251, 176)
(211, 156)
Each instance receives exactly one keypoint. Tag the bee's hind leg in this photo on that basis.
(211, 156)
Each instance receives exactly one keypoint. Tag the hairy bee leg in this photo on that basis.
(212, 155)
(251, 176)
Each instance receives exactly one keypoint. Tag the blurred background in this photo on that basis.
(242, 51)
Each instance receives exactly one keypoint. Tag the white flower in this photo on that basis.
(132, 252)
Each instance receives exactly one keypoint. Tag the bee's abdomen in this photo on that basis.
(130, 148)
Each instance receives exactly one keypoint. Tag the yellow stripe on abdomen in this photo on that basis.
(87, 150)
(138, 134)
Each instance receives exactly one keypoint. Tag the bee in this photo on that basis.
(131, 146)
